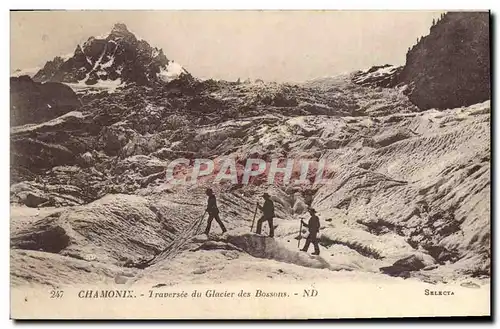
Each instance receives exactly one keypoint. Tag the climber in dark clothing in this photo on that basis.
(213, 212)
(268, 215)
(313, 226)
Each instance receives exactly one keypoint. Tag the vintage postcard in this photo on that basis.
(250, 164)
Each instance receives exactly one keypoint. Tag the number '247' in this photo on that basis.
(56, 294)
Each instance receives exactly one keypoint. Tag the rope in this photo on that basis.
(179, 241)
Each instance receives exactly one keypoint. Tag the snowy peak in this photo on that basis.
(171, 72)
(113, 59)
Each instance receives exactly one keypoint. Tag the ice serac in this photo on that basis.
(116, 58)
(378, 76)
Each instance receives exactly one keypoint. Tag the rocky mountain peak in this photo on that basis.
(113, 59)
(78, 50)
(120, 28)
(120, 31)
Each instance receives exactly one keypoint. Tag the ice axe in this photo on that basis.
(254, 214)
(300, 234)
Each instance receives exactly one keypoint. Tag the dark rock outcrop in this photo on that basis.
(451, 66)
(49, 236)
(33, 102)
(448, 68)
(403, 266)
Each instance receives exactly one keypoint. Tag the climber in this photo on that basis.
(268, 214)
(313, 226)
(213, 211)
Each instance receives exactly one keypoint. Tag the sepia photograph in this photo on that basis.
(272, 164)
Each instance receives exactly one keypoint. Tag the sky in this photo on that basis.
(278, 46)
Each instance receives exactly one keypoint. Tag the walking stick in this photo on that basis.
(201, 222)
(300, 234)
(254, 214)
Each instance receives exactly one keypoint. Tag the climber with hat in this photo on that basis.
(268, 214)
(213, 211)
(313, 227)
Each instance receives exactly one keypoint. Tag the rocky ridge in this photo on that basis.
(448, 68)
